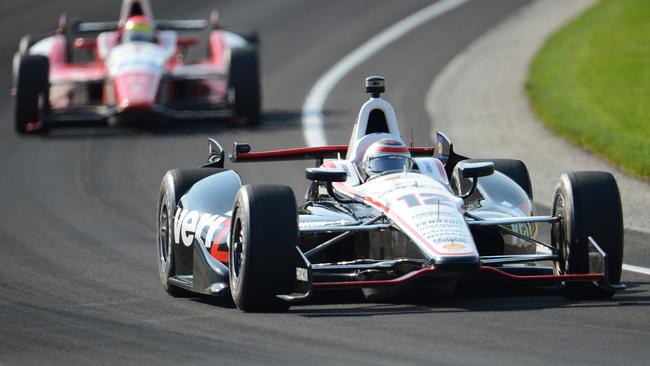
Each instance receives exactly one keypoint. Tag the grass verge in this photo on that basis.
(590, 83)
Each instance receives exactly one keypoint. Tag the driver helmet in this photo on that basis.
(138, 28)
(386, 155)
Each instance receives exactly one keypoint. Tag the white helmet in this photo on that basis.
(386, 155)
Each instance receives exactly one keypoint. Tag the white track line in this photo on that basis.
(312, 110)
(636, 269)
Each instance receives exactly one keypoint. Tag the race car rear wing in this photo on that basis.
(242, 153)
(179, 25)
(95, 27)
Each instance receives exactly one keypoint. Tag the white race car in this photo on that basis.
(381, 217)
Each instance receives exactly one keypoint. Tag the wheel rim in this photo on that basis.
(559, 235)
(237, 255)
(164, 242)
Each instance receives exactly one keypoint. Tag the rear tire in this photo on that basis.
(252, 37)
(31, 100)
(262, 243)
(174, 185)
(245, 82)
(515, 170)
(590, 205)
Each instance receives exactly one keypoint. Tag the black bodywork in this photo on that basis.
(353, 261)
(350, 239)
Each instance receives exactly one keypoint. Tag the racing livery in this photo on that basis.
(384, 218)
(132, 70)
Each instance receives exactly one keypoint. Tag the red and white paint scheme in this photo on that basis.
(96, 73)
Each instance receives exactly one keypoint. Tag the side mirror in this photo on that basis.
(63, 20)
(475, 170)
(446, 154)
(214, 20)
(216, 155)
(443, 147)
(471, 170)
(326, 175)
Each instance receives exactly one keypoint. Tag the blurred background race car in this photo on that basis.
(134, 70)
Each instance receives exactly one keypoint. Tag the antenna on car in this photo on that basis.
(412, 139)
(375, 85)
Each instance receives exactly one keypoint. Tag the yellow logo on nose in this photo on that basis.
(454, 246)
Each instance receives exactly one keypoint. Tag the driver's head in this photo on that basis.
(386, 155)
(138, 28)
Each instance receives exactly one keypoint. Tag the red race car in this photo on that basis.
(134, 70)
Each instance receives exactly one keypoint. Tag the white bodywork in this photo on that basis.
(419, 202)
(137, 57)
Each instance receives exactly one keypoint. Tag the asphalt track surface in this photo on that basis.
(78, 277)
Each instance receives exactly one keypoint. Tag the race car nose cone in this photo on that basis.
(375, 85)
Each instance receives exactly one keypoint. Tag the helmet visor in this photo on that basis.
(387, 163)
(138, 36)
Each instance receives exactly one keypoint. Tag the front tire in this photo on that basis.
(264, 234)
(174, 185)
(590, 205)
(32, 97)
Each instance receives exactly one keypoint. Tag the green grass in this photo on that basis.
(591, 83)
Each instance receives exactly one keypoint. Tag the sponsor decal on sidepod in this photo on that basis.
(187, 223)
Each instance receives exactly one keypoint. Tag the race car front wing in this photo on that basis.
(401, 271)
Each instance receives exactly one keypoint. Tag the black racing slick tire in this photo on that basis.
(515, 170)
(174, 185)
(252, 37)
(590, 205)
(263, 238)
(245, 83)
(31, 93)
